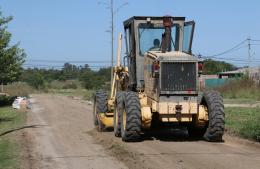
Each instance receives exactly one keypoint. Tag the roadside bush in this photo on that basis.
(71, 84)
(6, 100)
(88, 95)
(36, 80)
(244, 88)
(18, 89)
(67, 84)
(11, 91)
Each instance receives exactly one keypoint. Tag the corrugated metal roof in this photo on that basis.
(242, 71)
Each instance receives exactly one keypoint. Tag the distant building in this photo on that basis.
(232, 74)
(253, 73)
(210, 81)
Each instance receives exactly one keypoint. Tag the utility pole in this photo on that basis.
(249, 54)
(113, 11)
(112, 38)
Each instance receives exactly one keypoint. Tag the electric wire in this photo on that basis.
(97, 63)
(66, 61)
(229, 50)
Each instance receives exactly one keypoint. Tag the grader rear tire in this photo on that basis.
(100, 106)
(119, 106)
(131, 118)
(216, 124)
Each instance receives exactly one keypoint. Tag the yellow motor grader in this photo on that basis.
(158, 83)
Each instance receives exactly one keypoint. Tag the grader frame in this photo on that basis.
(160, 85)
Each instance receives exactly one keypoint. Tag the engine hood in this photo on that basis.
(171, 56)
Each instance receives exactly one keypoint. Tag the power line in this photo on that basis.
(231, 59)
(235, 60)
(66, 61)
(59, 66)
(229, 50)
(247, 60)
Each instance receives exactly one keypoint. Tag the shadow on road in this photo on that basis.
(176, 134)
(20, 128)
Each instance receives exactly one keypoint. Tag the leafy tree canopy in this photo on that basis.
(11, 56)
(213, 67)
(88, 78)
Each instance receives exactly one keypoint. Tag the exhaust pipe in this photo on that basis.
(167, 35)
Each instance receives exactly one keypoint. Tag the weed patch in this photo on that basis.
(244, 122)
(18, 89)
(240, 89)
(9, 147)
(83, 93)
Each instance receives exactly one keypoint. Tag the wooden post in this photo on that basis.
(2, 87)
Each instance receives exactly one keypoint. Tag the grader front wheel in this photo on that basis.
(100, 106)
(131, 118)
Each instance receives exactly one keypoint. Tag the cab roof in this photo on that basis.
(130, 20)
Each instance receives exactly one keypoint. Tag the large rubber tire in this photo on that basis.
(216, 124)
(131, 118)
(100, 106)
(119, 105)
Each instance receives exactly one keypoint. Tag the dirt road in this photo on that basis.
(61, 140)
(65, 139)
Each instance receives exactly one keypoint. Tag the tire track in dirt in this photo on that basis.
(63, 143)
(76, 144)
(179, 151)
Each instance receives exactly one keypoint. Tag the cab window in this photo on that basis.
(150, 37)
(188, 36)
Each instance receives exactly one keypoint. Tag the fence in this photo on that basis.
(211, 83)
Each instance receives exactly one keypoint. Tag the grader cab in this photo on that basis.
(158, 83)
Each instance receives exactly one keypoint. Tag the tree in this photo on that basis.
(214, 67)
(11, 56)
(90, 79)
(36, 80)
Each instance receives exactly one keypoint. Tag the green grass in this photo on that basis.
(9, 152)
(83, 93)
(244, 88)
(240, 101)
(244, 122)
(252, 93)
(9, 147)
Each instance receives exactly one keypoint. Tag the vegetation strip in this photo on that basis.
(9, 144)
(244, 122)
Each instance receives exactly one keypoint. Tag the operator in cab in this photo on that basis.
(156, 47)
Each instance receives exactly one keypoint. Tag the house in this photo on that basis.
(253, 73)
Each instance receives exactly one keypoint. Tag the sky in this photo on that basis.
(66, 30)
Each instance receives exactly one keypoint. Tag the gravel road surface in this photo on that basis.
(66, 139)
